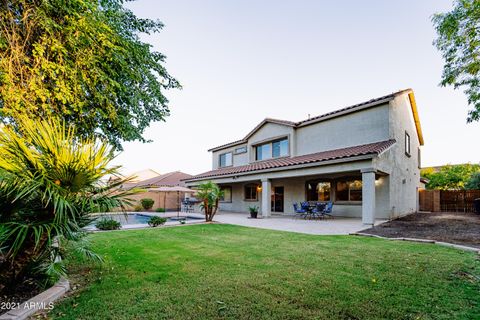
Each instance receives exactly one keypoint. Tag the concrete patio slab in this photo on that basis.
(328, 226)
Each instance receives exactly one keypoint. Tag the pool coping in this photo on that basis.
(199, 219)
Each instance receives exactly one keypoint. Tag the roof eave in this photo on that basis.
(286, 168)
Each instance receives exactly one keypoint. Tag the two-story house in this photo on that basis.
(364, 158)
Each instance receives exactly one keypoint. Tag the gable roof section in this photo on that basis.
(245, 139)
(350, 109)
(170, 179)
(343, 153)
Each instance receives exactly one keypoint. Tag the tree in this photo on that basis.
(209, 193)
(450, 177)
(50, 182)
(459, 42)
(81, 60)
(474, 182)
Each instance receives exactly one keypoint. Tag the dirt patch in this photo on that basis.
(20, 294)
(453, 227)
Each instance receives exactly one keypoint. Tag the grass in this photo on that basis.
(229, 272)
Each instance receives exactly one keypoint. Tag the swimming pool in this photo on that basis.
(136, 218)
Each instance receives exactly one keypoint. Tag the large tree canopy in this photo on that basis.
(81, 60)
(459, 42)
(451, 177)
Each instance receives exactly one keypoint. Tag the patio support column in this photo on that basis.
(368, 196)
(266, 192)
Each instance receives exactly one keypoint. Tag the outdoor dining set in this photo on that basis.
(313, 210)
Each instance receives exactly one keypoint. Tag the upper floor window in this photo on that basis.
(407, 144)
(225, 159)
(240, 150)
(275, 149)
(419, 158)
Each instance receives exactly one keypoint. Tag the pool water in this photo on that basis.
(136, 218)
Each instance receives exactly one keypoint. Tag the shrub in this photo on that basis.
(107, 224)
(156, 221)
(147, 203)
(51, 179)
(160, 209)
(138, 208)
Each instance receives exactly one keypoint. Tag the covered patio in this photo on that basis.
(336, 226)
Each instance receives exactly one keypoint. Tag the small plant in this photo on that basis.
(138, 208)
(147, 203)
(156, 221)
(253, 211)
(108, 224)
(160, 210)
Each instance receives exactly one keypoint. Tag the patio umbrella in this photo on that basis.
(176, 189)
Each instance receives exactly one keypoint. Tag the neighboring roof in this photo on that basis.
(344, 153)
(171, 189)
(170, 179)
(143, 175)
(350, 109)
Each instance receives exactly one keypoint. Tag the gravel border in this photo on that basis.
(41, 301)
(441, 243)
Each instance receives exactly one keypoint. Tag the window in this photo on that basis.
(264, 151)
(318, 191)
(227, 194)
(275, 149)
(280, 148)
(240, 150)
(225, 159)
(407, 144)
(419, 158)
(251, 192)
(350, 190)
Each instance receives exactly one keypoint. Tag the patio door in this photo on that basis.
(277, 199)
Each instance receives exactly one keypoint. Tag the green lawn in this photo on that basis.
(230, 272)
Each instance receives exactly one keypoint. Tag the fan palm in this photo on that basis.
(50, 182)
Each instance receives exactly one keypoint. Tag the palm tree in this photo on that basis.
(50, 183)
(210, 194)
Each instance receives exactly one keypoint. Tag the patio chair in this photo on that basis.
(307, 208)
(317, 212)
(299, 212)
(328, 209)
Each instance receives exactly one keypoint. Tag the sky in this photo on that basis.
(242, 61)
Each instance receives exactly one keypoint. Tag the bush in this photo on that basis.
(138, 208)
(156, 221)
(160, 209)
(108, 224)
(51, 180)
(147, 203)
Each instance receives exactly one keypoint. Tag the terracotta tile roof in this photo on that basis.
(168, 179)
(349, 109)
(344, 153)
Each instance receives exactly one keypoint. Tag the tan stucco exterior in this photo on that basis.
(392, 177)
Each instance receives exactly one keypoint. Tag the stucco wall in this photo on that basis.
(294, 191)
(366, 126)
(404, 174)
(166, 200)
(238, 159)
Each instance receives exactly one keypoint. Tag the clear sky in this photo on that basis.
(242, 61)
